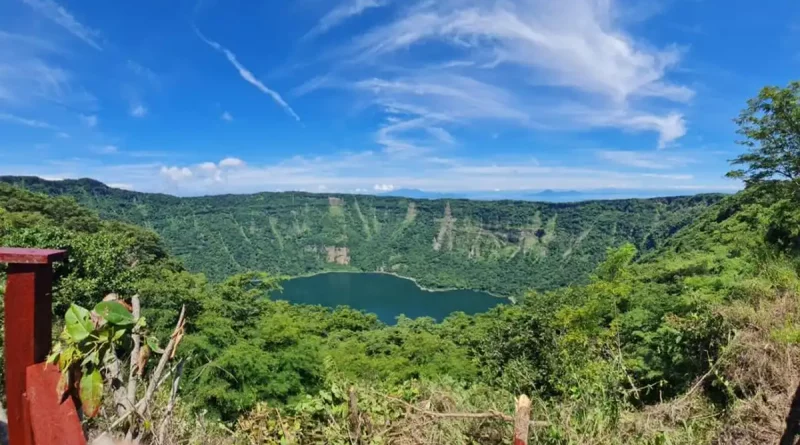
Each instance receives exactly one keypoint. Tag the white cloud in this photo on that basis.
(390, 137)
(572, 43)
(107, 149)
(347, 9)
(669, 127)
(231, 163)
(226, 117)
(63, 135)
(207, 174)
(248, 76)
(441, 134)
(142, 71)
(420, 106)
(311, 85)
(529, 62)
(377, 172)
(445, 97)
(208, 167)
(648, 160)
(63, 18)
(176, 174)
(6, 117)
(138, 110)
(28, 40)
(89, 120)
(121, 185)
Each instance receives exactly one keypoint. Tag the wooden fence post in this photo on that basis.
(522, 420)
(28, 328)
(354, 417)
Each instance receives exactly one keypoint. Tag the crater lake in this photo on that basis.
(385, 295)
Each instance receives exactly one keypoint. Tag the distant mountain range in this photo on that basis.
(532, 195)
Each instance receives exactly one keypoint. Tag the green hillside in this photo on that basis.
(692, 343)
(504, 246)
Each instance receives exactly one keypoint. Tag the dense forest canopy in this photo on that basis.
(505, 247)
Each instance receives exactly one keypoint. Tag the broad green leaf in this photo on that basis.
(153, 343)
(115, 313)
(92, 358)
(118, 334)
(78, 323)
(91, 393)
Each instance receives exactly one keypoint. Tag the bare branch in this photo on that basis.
(162, 430)
(136, 310)
(137, 343)
(485, 415)
(177, 334)
(141, 406)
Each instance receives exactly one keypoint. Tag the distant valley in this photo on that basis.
(504, 247)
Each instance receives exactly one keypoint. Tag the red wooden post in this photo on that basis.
(53, 422)
(28, 327)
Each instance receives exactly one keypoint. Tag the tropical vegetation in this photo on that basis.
(505, 247)
(694, 338)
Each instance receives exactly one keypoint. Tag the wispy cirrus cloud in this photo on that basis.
(670, 126)
(248, 76)
(342, 12)
(572, 43)
(648, 160)
(29, 76)
(66, 20)
(90, 120)
(106, 149)
(531, 63)
(419, 107)
(142, 71)
(7, 117)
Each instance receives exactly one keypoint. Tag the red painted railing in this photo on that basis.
(36, 415)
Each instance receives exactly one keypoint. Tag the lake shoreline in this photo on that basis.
(396, 275)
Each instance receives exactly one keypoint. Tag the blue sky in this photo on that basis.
(206, 97)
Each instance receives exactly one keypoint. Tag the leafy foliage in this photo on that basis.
(771, 128)
(683, 310)
(506, 247)
(88, 345)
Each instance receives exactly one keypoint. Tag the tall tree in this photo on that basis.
(771, 128)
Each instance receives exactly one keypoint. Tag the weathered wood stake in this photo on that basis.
(354, 417)
(522, 420)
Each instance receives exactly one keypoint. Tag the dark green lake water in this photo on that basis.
(384, 295)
